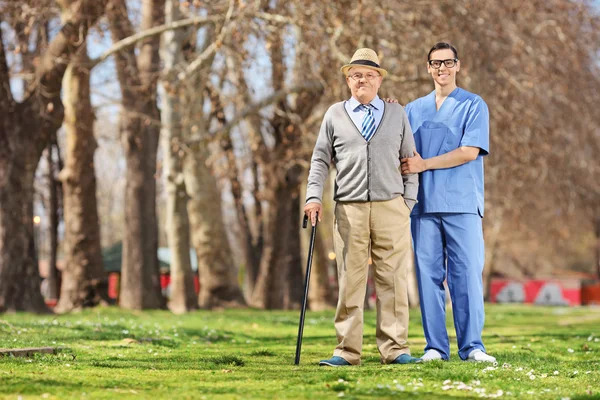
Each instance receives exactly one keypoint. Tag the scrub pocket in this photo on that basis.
(433, 139)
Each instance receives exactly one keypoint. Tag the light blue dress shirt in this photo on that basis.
(357, 114)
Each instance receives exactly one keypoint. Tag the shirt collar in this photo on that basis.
(376, 103)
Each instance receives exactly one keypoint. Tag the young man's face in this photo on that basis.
(443, 75)
(363, 83)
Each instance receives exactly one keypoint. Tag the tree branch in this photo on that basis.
(183, 23)
(133, 39)
(55, 59)
(254, 109)
(210, 50)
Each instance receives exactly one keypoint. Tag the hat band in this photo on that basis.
(365, 62)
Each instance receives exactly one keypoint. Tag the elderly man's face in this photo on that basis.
(363, 83)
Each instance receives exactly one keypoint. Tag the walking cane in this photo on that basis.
(306, 282)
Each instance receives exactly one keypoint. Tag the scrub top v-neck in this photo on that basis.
(462, 120)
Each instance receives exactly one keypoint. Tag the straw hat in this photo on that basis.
(364, 58)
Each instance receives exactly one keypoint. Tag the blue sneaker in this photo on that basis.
(406, 359)
(335, 361)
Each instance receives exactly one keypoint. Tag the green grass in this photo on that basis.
(543, 353)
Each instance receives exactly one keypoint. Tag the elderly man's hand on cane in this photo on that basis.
(312, 210)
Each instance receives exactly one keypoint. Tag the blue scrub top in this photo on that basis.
(462, 120)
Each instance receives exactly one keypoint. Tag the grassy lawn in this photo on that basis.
(543, 353)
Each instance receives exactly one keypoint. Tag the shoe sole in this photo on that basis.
(326, 364)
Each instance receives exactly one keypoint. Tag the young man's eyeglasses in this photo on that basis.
(358, 76)
(449, 63)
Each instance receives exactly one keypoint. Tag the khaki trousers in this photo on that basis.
(385, 226)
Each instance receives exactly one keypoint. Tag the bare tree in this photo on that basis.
(25, 131)
(177, 226)
(139, 126)
(83, 279)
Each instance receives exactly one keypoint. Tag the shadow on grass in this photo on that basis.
(171, 363)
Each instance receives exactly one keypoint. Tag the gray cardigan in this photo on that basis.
(366, 171)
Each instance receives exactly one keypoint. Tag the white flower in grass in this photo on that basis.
(341, 394)
(394, 381)
(588, 372)
(544, 375)
(571, 350)
(67, 365)
(447, 381)
(446, 387)
(341, 380)
(590, 338)
(400, 387)
(519, 369)
(575, 372)
(532, 377)
(555, 373)
(125, 331)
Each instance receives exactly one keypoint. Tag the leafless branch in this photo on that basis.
(255, 109)
(134, 39)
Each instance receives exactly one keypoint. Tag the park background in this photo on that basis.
(166, 140)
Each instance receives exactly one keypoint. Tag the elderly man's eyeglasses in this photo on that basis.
(449, 63)
(358, 76)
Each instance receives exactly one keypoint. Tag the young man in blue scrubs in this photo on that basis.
(451, 131)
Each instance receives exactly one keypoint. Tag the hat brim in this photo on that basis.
(346, 67)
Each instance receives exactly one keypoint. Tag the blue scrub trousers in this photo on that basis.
(450, 246)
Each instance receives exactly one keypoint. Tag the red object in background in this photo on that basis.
(113, 285)
(51, 302)
(590, 292)
(165, 281)
(543, 292)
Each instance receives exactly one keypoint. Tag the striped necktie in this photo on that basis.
(368, 122)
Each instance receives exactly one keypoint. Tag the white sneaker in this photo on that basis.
(431, 355)
(479, 356)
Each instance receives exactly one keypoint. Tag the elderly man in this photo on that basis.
(366, 138)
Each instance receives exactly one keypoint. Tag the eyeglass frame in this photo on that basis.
(454, 60)
(351, 76)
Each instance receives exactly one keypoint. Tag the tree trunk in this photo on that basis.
(218, 276)
(183, 297)
(139, 126)
(280, 279)
(217, 272)
(52, 279)
(320, 296)
(19, 274)
(84, 281)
